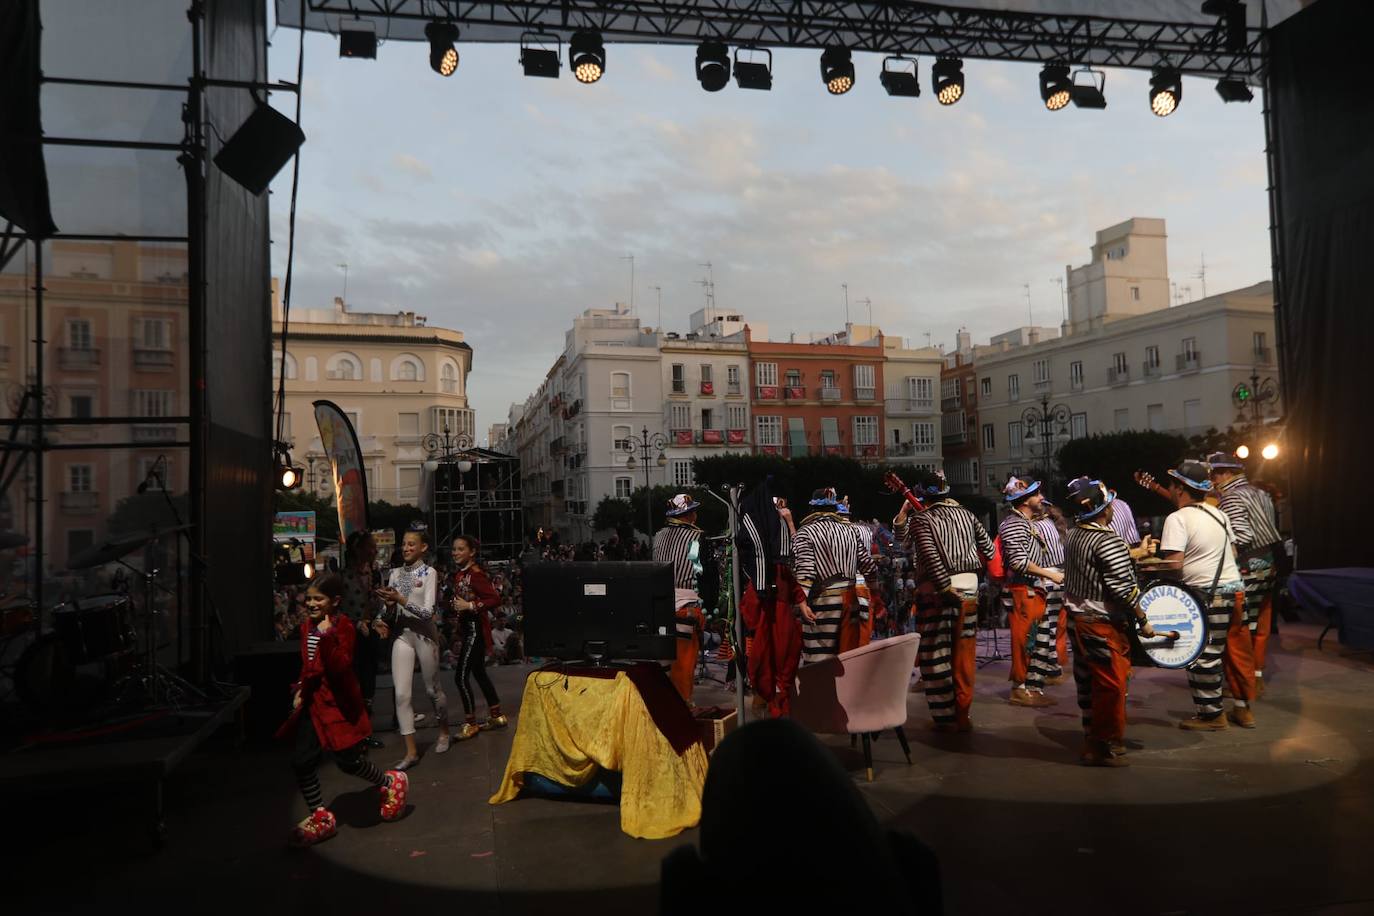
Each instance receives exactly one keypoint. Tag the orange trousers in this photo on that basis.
(1027, 606)
(1263, 626)
(1239, 659)
(684, 670)
(947, 653)
(855, 632)
(1063, 639)
(775, 648)
(1101, 666)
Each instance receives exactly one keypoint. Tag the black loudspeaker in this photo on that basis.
(268, 669)
(259, 148)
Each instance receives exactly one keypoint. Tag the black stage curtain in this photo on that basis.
(238, 369)
(23, 177)
(1323, 129)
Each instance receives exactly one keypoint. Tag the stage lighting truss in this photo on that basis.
(754, 68)
(1234, 90)
(713, 65)
(837, 70)
(358, 38)
(443, 56)
(947, 76)
(587, 57)
(899, 77)
(1087, 88)
(541, 54)
(1166, 91)
(1056, 89)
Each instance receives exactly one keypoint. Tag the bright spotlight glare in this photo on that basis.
(1243, 452)
(1270, 452)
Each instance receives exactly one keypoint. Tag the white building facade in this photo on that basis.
(911, 402)
(705, 379)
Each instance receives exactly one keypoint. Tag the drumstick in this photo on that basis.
(1175, 635)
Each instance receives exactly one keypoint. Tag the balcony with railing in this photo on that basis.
(1118, 375)
(830, 394)
(1263, 356)
(708, 389)
(794, 392)
(711, 436)
(1042, 384)
(1189, 362)
(79, 502)
(78, 358)
(950, 402)
(681, 437)
(736, 436)
(864, 394)
(766, 392)
(679, 386)
(1152, 370)
(866, 450)
(732, 389)
(910, 449)
(955, 437)
(153, 359)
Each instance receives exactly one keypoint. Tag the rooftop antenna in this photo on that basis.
(1202, 273)
(1030, 320)
(1063, 298)
(868, 302)
(709, 287)
(345, 291)
(845, 287)
(659, 290)
(631, 259)
(927, 338)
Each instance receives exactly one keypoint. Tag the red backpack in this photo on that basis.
(996, 571)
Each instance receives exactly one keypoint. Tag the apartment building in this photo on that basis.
(959, 417)
(706, 396)
(911, 409)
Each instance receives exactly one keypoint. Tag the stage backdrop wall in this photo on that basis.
(1324, 130)
(238, 485)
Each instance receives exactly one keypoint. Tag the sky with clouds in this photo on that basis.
(502, 205)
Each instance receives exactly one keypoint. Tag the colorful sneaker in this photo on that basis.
(316, 828)
(494, 722)
(468, 730)
(394, 795)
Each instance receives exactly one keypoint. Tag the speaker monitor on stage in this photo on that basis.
(264, 143)
(599, 611)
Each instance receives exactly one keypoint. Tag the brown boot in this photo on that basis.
(1020, 696)
(1259, 686)
(1054, 681)
(1199, 724)
(1099, 754)
(1242, 716)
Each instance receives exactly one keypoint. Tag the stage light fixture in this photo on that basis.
(1242, 452)
(947, 76)
(713, 65)
(540, 54)
(1234, 90)
(1055, 86)
(1087, 88)
(288, 476)
(1270, 452)
(754, 73)
(358, 39)
(837, 70)
(899, 77)
(1166, 91)
(443, 56)
(587, 57)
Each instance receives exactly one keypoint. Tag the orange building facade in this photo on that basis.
(817, 398)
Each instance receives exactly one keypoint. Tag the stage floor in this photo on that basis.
(1274, 820)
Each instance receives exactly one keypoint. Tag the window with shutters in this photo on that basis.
(865, 430)
(768, 430)
(765, 373)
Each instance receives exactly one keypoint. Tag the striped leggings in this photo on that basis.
(947, 653)
(1205, 675)
(821, 640)
(306, 762)
(1045, 632)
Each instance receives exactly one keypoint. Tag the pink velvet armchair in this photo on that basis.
(861, 692)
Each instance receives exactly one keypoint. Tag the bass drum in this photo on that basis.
(53, 686)
(1179, 618)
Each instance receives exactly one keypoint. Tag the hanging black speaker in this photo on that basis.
(259, 148)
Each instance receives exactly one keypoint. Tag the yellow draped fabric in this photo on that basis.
(566, 735)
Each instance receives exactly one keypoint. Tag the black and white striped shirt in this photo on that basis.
(1251, 512)
(825, 547)
(1022, 547)
(1054, 544)
(312, 644)
(947, 539)
(1098, 567)
(673, 544)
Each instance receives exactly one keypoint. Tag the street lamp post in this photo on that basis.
(646, 444)
(1046, 417)
(1256, 396)
(442, 449)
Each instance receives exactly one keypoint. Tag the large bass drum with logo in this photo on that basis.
(1178, 615)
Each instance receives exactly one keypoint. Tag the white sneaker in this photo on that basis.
(441, 745)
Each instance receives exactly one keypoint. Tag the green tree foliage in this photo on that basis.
(616, 515)
(1114, 457)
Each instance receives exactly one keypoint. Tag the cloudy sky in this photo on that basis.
(502, 205)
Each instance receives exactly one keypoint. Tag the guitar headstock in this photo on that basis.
(893, 482)
(1145, 479)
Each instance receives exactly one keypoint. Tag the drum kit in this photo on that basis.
(84, 656)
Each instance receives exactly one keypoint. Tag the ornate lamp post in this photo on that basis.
(1256, 396)
(646, 444)
(442, 449)
(1046, 417)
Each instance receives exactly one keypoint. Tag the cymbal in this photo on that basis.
(10, 539)
(118, 548)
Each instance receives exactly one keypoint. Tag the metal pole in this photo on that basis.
(740, 659)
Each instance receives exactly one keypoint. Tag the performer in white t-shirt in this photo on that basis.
(1199, 535)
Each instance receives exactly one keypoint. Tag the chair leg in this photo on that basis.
(901, 739)
(868, 756)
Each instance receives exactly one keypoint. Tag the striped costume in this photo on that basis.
(1026, 599)
(679, 542)
(1100, 591)
(950, 547)
(1123, 522)
(828, 556)
(1251, 513)
(1051, 639)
